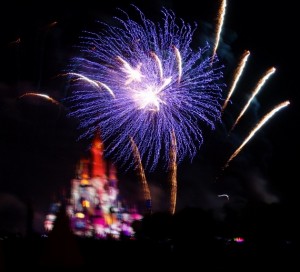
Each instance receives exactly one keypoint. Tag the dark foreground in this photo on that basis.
(190, 241)
(82, 254)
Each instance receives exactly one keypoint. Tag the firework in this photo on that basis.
(221, 16)
(264, 120)
(144, 80)
(141, 172)
(224, 195)
(237, 76)
(258, 87)
(96, 84)
(45, 96)
(173, 174)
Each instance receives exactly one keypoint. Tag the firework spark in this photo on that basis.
(221, 16)
(236, 78)
(16, 42)
(258, 87)
(224, 195)
(40, 95)
(264, 120)
(173, 174)
(141, 172)
(154, 83)
(97, 84)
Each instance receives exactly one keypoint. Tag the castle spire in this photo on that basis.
(98, 163)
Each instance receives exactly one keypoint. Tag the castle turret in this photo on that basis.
(98, 163)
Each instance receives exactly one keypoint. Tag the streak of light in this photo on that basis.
(179, 62)
(264, 120)
(95, 83)
(173, 173)
(40, 95)
(237, 74)
(258, 87)
(141, 172)
(224, 195)
(221, 16)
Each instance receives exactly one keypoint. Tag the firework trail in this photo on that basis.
(95, 83)
(256, 128)
(145, 187)
(236, 78)
(144, 80)
(173, 174)
(40, 95)
(258, 87)
(224, 195)
(15, 42)
(221, 16)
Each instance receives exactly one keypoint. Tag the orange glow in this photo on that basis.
(110, 219)
(85, 204)
(84, 181)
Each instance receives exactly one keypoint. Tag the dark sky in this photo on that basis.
(38, 143)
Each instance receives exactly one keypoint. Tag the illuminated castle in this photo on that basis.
(94, 207)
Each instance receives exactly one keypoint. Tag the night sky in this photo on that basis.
(38, 142)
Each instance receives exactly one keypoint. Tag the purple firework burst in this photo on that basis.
(143, 80)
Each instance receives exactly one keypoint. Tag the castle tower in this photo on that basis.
(98, 163)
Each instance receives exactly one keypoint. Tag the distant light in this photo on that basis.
(80, 215)
(239, 239)
(51, 217)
